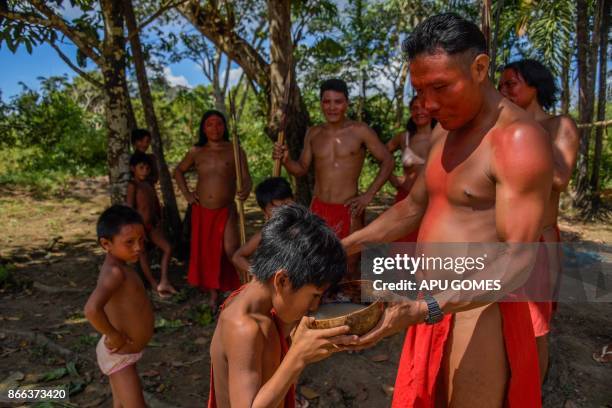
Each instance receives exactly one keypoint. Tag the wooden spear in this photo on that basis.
(238, 164)
(283, 122)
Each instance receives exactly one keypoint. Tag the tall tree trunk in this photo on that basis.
(586, 84)
(218, 89)
(399, 95)
(117, 99)
(601, 107)
(565, 79)
(167, 188)
(493, 48)
(281, 63)
(485, 22)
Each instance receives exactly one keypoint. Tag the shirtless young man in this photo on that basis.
(531, 86)
(338, 149)
(119, 307)
(299, 257)
(414, 144)
(487, 179)
(214, 220)
(142, 197)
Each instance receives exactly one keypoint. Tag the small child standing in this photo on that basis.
(141, 196)
(271, 193)
(119, 307)
(141, 140)
(299, 257)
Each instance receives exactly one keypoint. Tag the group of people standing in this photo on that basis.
(480, 164)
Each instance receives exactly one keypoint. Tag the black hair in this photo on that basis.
(113, 218)
(334, 84)
(139, 134)
(539, 77)
(139, 157)
(202, 135)
(448, 32)
(272, 188)
(299, 242)
(411, 127)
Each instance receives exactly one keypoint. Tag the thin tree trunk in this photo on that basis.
(485, 22)
(586, 83)
(494, 45)
(167, 189)
(117, 104)
(601, 108)
(399, 95)
(565, 79)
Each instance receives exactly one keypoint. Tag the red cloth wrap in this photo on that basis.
(412, 237)
(422, 358)
(209, 267)
(290, 396)
(336, 216)
(542, 312)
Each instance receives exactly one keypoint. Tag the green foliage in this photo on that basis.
(47, 133)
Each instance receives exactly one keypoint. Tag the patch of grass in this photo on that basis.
(201, 315)
(162, 324)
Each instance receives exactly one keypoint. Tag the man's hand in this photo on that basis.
(115, 341)
(312, 345)
(358, 204)
(281, 151)
(243, 195)
(192, 198)
(396, 318)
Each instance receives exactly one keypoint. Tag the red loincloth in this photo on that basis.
(337, 216)
(422, 358)
(412, 237)
(209, 267)
(290, 396)
(542, 312)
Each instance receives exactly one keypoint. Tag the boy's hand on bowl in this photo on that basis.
(313, 345)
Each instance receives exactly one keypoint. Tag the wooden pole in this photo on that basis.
(276, 172)
(238, 166)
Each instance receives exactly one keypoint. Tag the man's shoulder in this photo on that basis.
(560, 124)
(515, 124)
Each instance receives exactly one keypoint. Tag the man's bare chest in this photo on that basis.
(327, 146)
(460, 179)
(215, 161)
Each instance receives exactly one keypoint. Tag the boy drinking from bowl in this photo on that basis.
(299, 257)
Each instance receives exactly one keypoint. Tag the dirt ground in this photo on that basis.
(47, 246)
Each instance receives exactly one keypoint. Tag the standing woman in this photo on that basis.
(414, 144)
(531, 86)
(214, 220)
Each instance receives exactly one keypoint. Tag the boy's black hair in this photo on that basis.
(139, 157)
(139, 134)
(272, 188)
(448, 32)
(113, 218)
(539, 77)
(203, 139)
(334, 84)
(411, 127)
(299, 242)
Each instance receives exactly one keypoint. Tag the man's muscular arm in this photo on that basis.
(300, 167)
(565, 151)
(179, 175)
(399, 220)
(380, 152)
